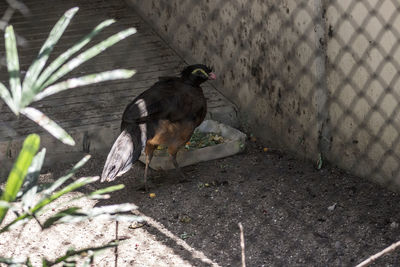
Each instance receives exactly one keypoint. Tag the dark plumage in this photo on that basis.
(165, 114)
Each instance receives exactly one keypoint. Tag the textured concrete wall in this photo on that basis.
(263, 54)
(364, 87)
(311, 76)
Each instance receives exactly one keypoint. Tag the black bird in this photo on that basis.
(165, 114)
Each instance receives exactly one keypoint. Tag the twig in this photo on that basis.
(380, 254)
(37, 220)
(242, 244)
(116, 248)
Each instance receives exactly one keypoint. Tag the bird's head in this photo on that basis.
(198, 73)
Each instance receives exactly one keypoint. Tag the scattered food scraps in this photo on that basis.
(200, 140)
(152, 195)
(185, 219)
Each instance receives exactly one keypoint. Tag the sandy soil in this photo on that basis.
(293, 215)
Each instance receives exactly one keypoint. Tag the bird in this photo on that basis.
(165, 114)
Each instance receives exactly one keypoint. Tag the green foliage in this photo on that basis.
(22, 194)
(28, 165)
(19, 171)
(39, 83)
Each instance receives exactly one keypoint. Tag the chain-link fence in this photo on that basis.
(319, 78)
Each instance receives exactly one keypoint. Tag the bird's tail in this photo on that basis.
(125, 151)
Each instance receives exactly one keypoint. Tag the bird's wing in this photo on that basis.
(172, 100)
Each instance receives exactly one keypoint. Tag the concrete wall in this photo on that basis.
(364, 56)
(262, 63)
(308, 76)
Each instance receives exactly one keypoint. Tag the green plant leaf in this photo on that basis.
(47, 192)
(67, 54)
(28, 198)
(72, 211)
(49, 125)
(107, 190)
(88, 54)
(33, 172)
(71, 187)
(111, 213)
(12, 261)
(112, 209)
(103, 216)
(5, 204)
(6, 96)
(71, 253)
(44, 202)
(19, 170)
(13, 66)
(44, 53)
(85, 80)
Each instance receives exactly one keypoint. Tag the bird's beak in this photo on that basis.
(212, 76)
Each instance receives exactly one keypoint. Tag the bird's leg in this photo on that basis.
(149, 155)
(173, 151)
(178, 169)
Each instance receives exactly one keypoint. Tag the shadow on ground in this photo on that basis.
(292, 213)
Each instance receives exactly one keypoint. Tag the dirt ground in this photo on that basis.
(292, 214)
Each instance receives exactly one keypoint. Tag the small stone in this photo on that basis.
(332, 208)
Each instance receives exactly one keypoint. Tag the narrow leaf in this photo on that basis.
(49, 125)
(19, 170)
(72, 253)
(71, 187)
(67, 54)
(33, 172)
(72, 211)
(21, 220)
(44, 53)
(64, 178)
(28, 198)
(88, 54)
(6, 96)
(107, 190)
(28, 262)
(13, 66)
(112, 209)
(44, 202)
(101, 193)
(11, 261)
(103, 216)
(85, 80)
(5, 204)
